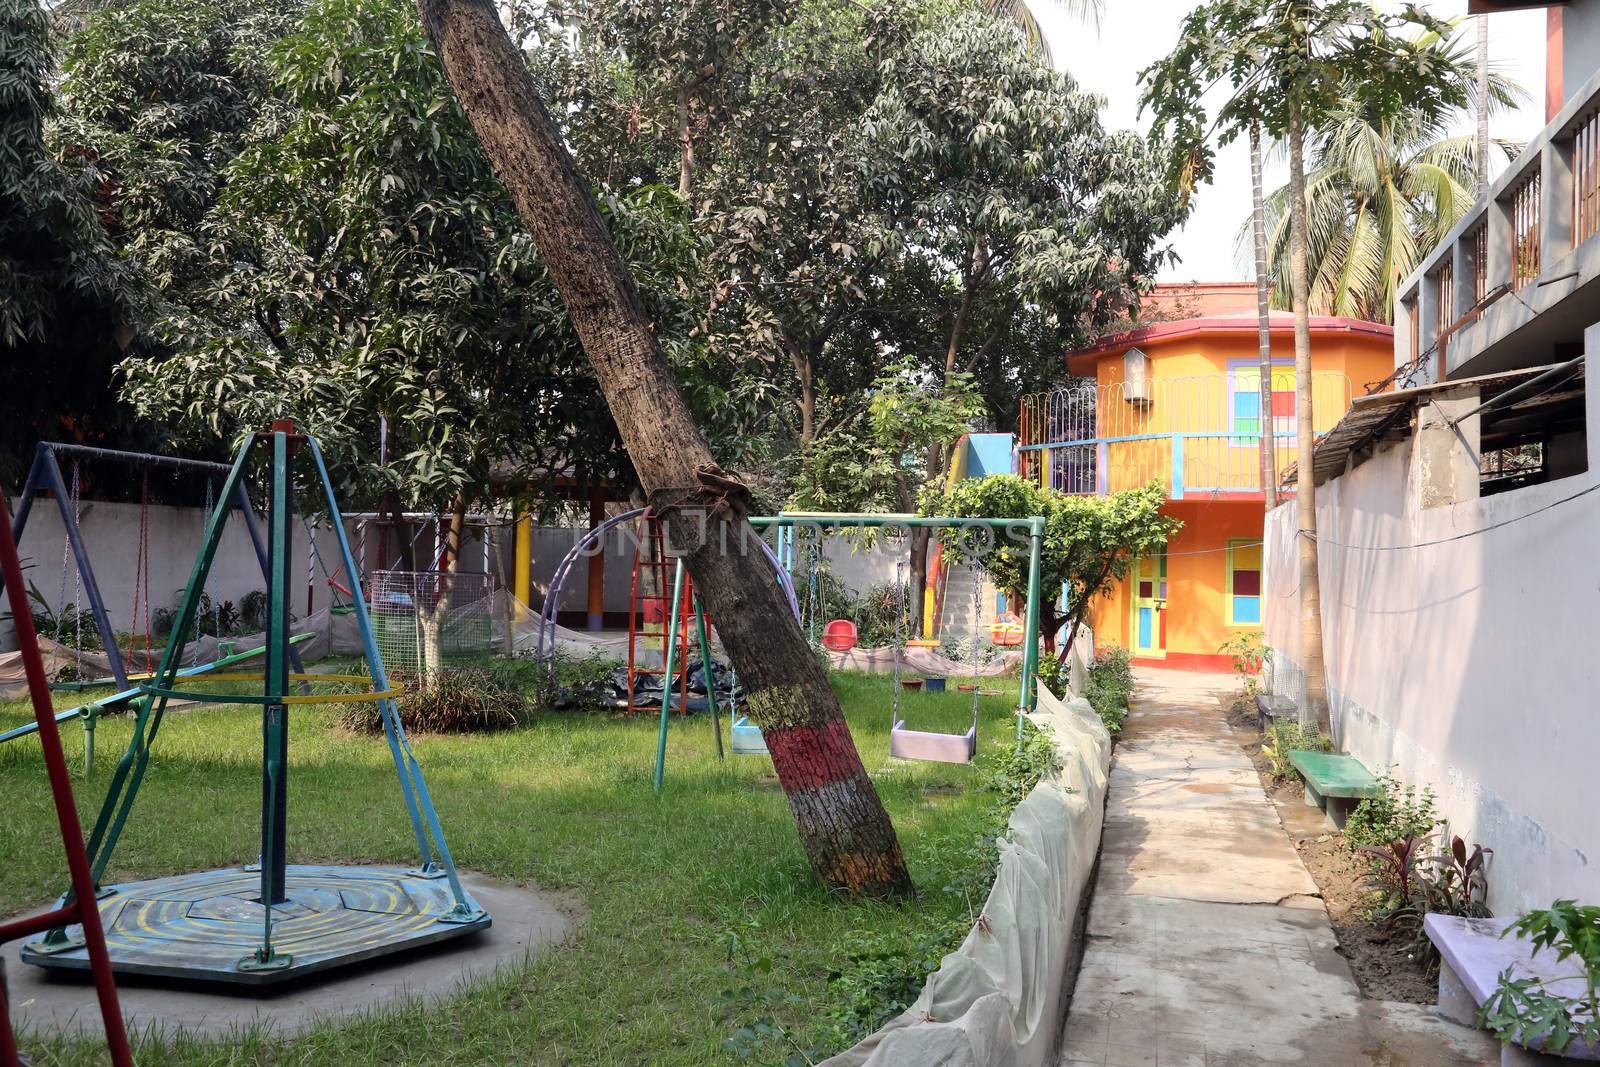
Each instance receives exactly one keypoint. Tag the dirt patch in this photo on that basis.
(1380, 965)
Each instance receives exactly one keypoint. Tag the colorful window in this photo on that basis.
(1244, 401)
(1244, 583)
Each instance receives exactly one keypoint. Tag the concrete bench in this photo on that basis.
(1270, 706)
(1473, 956)
(1334, 783)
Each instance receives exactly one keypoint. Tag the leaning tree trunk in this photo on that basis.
(1305, 437)
(1258, 223)
(842, 824)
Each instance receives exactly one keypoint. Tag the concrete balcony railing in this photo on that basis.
(1198, 436)
(1502, 289)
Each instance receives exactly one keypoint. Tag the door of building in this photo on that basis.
(1150, 606)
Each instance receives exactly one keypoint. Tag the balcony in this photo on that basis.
(1518, 279)
(1198, 436)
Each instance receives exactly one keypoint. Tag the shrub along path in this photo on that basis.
(1207, 942)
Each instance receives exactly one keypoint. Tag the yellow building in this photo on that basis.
(1179, 402)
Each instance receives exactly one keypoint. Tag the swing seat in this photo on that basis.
(747, 739)
(840, 635)
(1007, 631)
(938, 748)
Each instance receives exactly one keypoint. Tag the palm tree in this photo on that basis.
(1381, 195)
(1021, 12)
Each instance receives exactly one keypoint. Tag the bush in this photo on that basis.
(582, 683)
(1396, 813)
(1248, 653)
(1290, 735)
(1052, 673)
(1109, 686)
(462, 700)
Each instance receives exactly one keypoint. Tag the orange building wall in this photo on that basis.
(1197, 566)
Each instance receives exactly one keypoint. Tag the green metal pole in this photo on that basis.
(274, 723)
(1030, 639)
(671, 642)
(705, 669)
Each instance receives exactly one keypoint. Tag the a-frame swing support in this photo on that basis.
(45, 473)
(310, 918)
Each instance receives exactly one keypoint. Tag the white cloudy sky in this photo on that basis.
(1136, 33)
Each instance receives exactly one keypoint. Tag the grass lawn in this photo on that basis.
(688, 894)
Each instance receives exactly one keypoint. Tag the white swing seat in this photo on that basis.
(747, 739)
(938, 748)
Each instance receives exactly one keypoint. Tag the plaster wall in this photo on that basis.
(1197, 570)
(1459, 652)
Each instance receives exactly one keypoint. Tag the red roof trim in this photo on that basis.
(1282, 322)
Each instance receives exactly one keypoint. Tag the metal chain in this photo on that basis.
(899, 611)
(977, 630)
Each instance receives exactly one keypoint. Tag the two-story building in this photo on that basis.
(1458, 518)
(1179, 403)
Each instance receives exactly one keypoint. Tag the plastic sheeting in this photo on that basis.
(997, 1000)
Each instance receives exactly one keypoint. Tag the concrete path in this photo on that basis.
(1208, 944)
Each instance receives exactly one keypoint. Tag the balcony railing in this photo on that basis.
(1523, 238)
(1197, 436)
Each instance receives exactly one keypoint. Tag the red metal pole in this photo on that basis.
(55, 763)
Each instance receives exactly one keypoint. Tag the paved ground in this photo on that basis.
(1207, 943)
(525, 922)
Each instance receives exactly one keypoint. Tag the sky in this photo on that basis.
(1135, 33)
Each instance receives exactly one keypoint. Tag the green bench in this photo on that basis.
(1334, 783)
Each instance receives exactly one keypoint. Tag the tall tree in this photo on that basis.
(68, 304)
(843, 826)
(1293, 64)
(362, 258)
(1379, 199)
(1022, 226)
(1258, 233)
(1386, 185)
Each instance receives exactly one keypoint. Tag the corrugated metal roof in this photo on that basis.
(1371, 417)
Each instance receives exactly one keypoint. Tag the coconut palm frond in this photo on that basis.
(1022, 13)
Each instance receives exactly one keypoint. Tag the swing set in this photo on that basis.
(904, 742)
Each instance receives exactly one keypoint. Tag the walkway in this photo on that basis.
(1207, 942)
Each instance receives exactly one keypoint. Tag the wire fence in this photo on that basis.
(424, 619)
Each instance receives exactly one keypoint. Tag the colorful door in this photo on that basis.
(1150, 606)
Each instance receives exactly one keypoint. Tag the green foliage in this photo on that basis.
(362, 258)
(1090, 542)
(1052, 673)
(1311, 59)
(581, 682)
(880, 975)
(1022, 225)
(1536, 1012)
(1247, 653)
(459, 700)
(67, 302)
(876, 462)
(1395, 813)
(1290, 735)
(1109, 686)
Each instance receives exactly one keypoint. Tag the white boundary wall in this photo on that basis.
(1469, 666)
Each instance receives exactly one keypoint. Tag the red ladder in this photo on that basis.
(81, 906)
(648, 625)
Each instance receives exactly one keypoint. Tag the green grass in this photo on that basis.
(683, 891)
